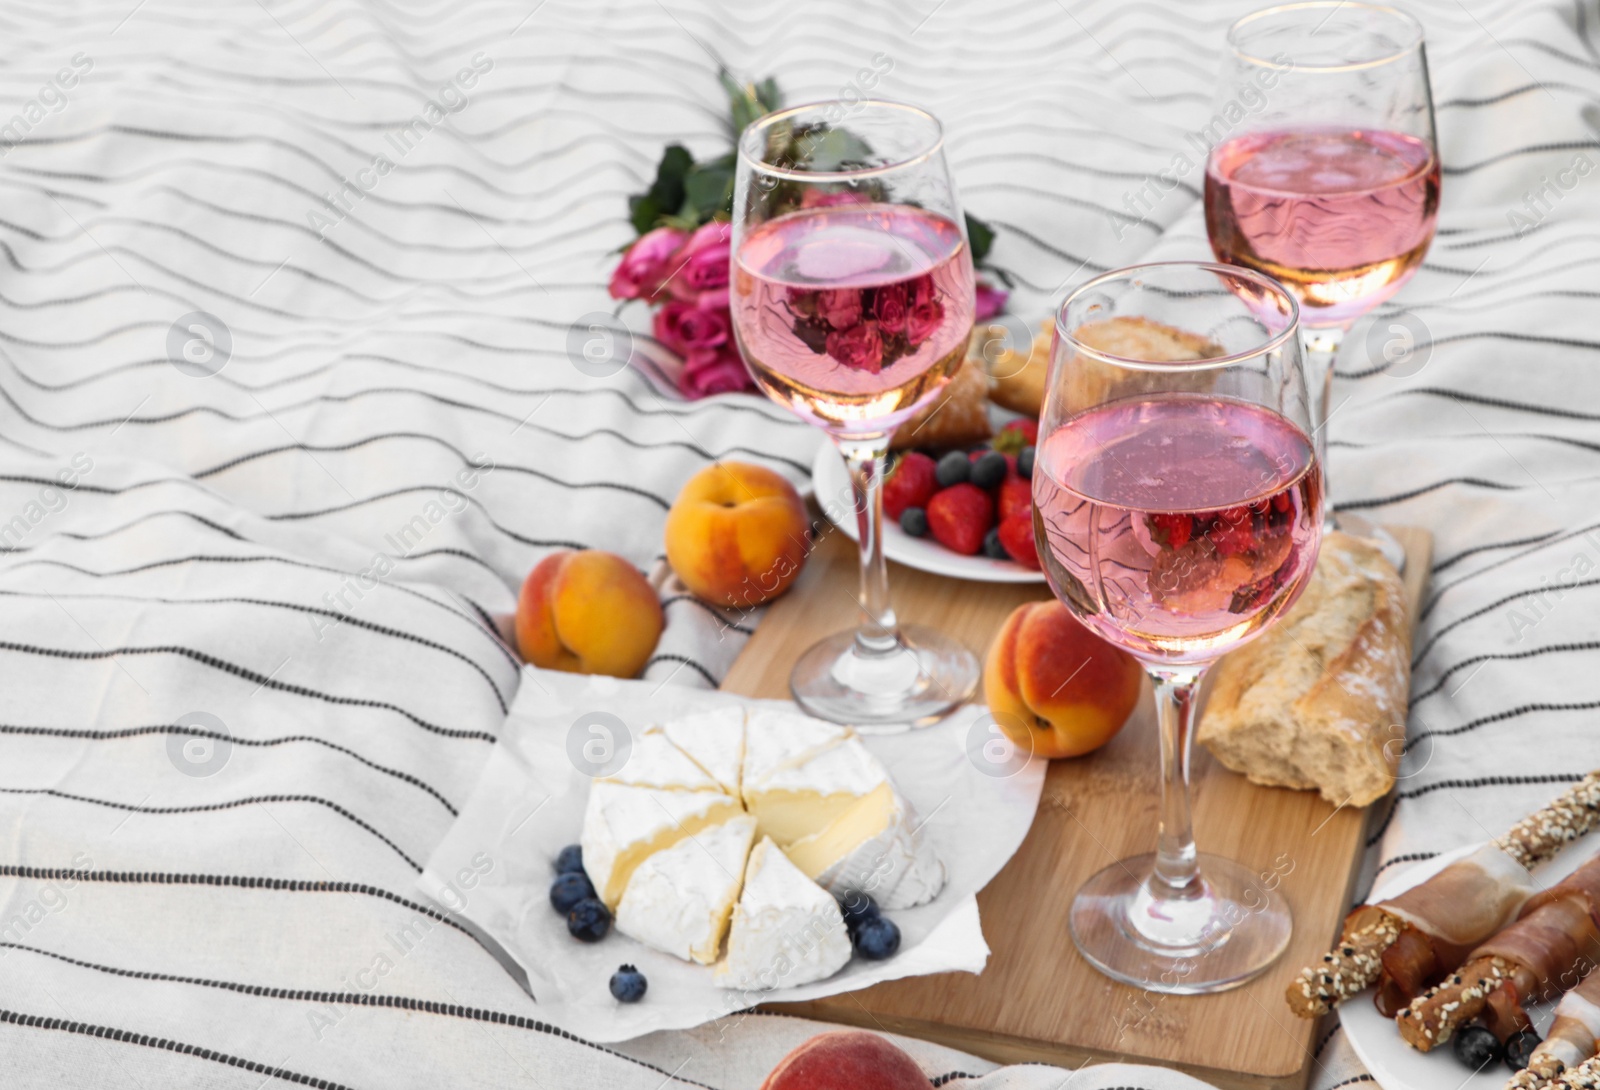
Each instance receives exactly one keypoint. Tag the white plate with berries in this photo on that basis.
(967, 514)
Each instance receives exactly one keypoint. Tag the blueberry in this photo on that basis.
(914, 521)
(953, 468)
(588, 920)
(1519, 1048)
(992, 548)
(1476, 1047)
(989, 470)
(568, 889)
(570, 861)
(1025, 463)
(877, 938)
(628, 985)
(857, 907)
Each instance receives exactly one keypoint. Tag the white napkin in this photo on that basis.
(495, 865)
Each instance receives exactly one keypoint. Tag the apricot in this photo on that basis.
(846, 1060)
(1055, 688)
(588, 612)
(737, 534)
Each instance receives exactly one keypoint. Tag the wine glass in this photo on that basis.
(852, 299)
(1327, 175)
(1178, 512)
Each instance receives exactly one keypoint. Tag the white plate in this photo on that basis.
(830, 481)
(1395, 1064)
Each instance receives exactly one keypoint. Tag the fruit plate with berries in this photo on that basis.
(1474, 1058)
(652, 857)
(966, 514)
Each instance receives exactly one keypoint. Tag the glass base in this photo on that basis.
(1227, 933)
(923, 678)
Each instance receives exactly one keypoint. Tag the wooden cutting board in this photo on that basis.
(1038, 1000)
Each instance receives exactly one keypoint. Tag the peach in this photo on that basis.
(846, 1060)
(588, 612)
(1055, 688)
(737, 534)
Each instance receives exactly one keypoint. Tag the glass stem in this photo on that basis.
(1177, 869)
(1321, 345)
(868, 461)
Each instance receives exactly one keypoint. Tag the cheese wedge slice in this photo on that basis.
(624, 825)
(796, 798)
(776, 740)
(655, 762)
(679, 900)
(873, 847)
(714, 741)
(786, 931)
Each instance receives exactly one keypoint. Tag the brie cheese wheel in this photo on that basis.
(624, 825)
(795, 798)
(873, 847)
(714, 741)
(679, 900)
(655, 762)
(787, 930)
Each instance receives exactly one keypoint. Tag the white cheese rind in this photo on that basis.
(786, 930)
(680, 900)
(623, 825)
(874, 848)
(655, 762)
(713, 740)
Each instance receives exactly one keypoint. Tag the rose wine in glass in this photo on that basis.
(1178, 513)
(852, 299)
(1182, 523)
(1341, 218)
(1327, 175)
(853, 315)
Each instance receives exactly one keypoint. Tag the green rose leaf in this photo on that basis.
(980, 236)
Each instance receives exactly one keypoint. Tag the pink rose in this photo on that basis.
(920, 291)
(923, 320)
(858, 348)
(840, 308)
(713, 371)
(701, 267)
(645, 263)
(991, 301)
(685, 328)
(890, 307)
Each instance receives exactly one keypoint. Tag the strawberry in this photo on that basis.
(959, 516)
(1016, 435)
(911, 484)
(1171, 530)
(1016, 498)
(1028, 428)
(1231, 540)
(1016, 534)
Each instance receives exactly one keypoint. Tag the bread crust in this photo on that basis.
(1320, 701)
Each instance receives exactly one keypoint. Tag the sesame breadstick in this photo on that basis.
(1541, 834)
(1432, 1018)
(1344, 971)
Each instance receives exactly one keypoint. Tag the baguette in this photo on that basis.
(1320, 701)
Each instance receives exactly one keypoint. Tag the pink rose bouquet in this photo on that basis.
(679, 266)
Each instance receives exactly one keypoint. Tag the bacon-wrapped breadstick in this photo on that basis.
(1547, 951)
(1409, 942)
(1571, 1041)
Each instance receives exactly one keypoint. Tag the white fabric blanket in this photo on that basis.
(291, 557)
